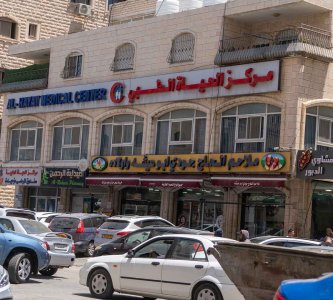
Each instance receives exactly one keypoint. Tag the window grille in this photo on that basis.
(124, 58)
(182, 49)
(73, 66)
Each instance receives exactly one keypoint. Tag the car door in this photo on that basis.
(142, 272)
(187, 264)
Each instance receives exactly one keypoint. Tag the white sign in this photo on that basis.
(246, 79)
(22, 176)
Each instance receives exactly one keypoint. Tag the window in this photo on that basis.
(122, 135)
(124, 58)
(8, 28)
(188, 250)
(41, 199)
(250, 128)
(70, 139)
(73, 65)
(181, 132)
(319, 128)
(110, 2)
(182, 49)
(88, 2)
(156, 249)
(32, 31)
(7, 224)
(137, 238)
(26, 141)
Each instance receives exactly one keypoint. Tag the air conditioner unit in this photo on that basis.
(83, 9)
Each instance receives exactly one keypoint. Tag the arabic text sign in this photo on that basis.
(21, 176)
(246, 79)
(194, 163)
(315, 164)
(63, 177)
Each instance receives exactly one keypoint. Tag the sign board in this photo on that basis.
(66, 177)
(194, 163)
(21, 176)
(254, 78)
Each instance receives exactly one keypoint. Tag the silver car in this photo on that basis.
(60, 245)
(5, 292)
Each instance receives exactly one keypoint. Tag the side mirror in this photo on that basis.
(130, 253)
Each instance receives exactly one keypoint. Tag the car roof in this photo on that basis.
(45, 213)
(200, 237)
(173, 229)
(131, 217)
(17, 209)
(16, 218)
(262, 239)
(80, 215)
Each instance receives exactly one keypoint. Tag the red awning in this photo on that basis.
(119, 180)
(184, 181)
(249, 181)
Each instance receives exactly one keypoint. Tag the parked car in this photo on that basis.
(46, 217)
(310, 289)
(17, 212)
(22, 255)
(5, 291)
(169, 266)
(82, 227)
(284, 241)
(133, 239)
(117, 226)
(59, 245)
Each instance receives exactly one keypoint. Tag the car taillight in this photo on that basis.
(278, 296)
(97, 231)
(46, 246)
(122, 233)
(73, 248)
(80, 227)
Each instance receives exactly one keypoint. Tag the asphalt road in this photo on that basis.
(63, 285)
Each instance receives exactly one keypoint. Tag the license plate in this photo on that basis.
(107, 236)
(60, 246)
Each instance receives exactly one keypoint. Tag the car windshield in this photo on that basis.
(33, 227)
(114, 224)
(20, 215)
(64, 223)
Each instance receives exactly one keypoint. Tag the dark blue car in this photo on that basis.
(22, 255)
(310, 289)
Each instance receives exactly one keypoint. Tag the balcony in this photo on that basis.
(304, 41)
(30, 78)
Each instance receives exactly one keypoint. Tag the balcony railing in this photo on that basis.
(305, 40)
(29, 78)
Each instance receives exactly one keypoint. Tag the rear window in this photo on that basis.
(20, 215)
(64, 223)
(33, 227)
(115, 224)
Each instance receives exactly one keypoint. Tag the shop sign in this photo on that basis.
(21, 176)
(66, 177)
(194, 163)
(315, 164)
(246, 79)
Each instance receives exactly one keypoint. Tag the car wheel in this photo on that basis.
(90, 249)
(100, 284)
(49, 271)
(20, 268)
(207, 291)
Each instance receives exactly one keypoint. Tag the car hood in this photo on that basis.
(106, 259)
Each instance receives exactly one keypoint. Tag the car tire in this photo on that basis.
(207, 291)
(90, 249)
(20, 268)
(49, 271)
(100, 284)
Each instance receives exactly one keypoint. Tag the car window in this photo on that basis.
(64, 223)
(155, 249)
(189, 250)
(88, 223)
(280, 244)
(295, 244)
(49, 219)
(33, 227)
(137, 238)
(146, 223)
(98, 221)
(7, 224)
(20, 215)
(114, 224)
(161, 223)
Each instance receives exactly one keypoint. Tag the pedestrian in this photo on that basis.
(291, 233)
(328, 241)
(218, 225)
(329, 233)
(244, 236)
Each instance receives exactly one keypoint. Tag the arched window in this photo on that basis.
(73, 65)
(250, 128)
(124, 58)
(181, 132)
(8, 28)
(182, 49)
(122, 135)
(70, 139)
(319, 128)
(26, 141)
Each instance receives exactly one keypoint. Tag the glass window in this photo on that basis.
(26, 141)
(156, 249)
(250, 128)
(189, 250)
(122, 135)
(32, 31)
(137, 238)
(7, 28)
(70, 139)
(33, 227)
(73, 65)
(124, 58)
(7, 224)
(182, 49)
(181, 132)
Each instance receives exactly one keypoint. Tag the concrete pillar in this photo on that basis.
(231, 212)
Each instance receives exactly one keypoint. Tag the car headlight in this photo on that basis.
(98, 248)
(4, 278)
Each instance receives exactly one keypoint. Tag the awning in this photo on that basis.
(249, 181)
(119, 180)
(172, 181)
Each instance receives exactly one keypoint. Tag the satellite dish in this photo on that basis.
(83, 165)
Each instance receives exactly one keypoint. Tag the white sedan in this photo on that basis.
(169, 266)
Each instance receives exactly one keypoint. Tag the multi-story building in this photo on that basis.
(189, 115)
(27, 21)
